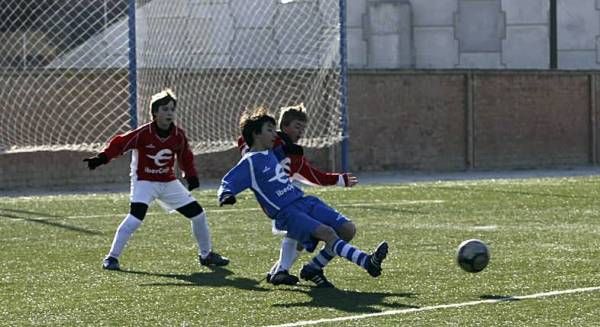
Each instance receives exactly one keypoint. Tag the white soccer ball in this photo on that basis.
(473, 255)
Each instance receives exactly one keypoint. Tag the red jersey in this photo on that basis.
(153, 157)
(299, 167)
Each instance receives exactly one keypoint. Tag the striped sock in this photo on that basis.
(348, 251)
(322, 259)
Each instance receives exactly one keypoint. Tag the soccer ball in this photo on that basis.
(472, 255)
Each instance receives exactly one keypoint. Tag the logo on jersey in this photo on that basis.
(162, 157)
(286, 163)
(280, 175)
(284, 190)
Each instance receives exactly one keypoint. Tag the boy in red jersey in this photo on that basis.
(292, 123)
(154, 148)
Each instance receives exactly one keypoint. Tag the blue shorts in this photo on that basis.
(302, 217)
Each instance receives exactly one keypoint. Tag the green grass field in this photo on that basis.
(544, 235)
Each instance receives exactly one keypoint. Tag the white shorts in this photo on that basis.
(171, 195)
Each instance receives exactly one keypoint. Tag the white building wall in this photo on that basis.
(381, 34)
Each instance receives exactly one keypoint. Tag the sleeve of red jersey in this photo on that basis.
(120, 144)
(185, 159)
(303, 171)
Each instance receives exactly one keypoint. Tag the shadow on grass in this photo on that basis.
(349, 301)
(44, 219)
(216, 277)
(506, 298)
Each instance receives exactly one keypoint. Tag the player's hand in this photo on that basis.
(227, 199)
(93, 162)
(349, 179)
(193, 182)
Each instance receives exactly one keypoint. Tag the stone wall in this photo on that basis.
(482, 34)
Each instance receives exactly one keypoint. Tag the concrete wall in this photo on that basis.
(423, 34)
(214, 34)
(578, 34)
(449, 33)
(428, 34)
(409, 120)
(483, 34)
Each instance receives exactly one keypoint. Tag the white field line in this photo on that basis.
(358, 204)
(440, 307)
(375, 203)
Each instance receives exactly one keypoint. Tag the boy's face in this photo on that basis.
(264, 140)
(165, 115)
(295, 130)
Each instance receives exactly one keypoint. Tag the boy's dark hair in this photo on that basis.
(252, 121)
(289, 114)
(161, 98)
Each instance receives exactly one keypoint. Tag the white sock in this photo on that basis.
(287, 254)
(124, 232)
(202, 234)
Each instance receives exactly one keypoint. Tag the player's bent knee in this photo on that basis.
(138, 210)
(347, 231)
(191, 210)
(325, 233)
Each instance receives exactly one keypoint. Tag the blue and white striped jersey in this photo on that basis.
(266, 177)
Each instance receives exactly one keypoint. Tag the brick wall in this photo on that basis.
(409, 120)
(531, 120)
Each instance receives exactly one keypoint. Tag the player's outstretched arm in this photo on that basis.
(116, 146)
(234, 182)
(307, 174)
(97, 160)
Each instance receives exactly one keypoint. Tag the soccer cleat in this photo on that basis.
(110, 263)
(309, 273)
(282, 277)
(214, 259)
(373, 264)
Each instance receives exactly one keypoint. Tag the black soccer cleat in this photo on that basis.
(282, 277)
(373, 263)
(110, 263)
(214, 259)
(309, 273)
